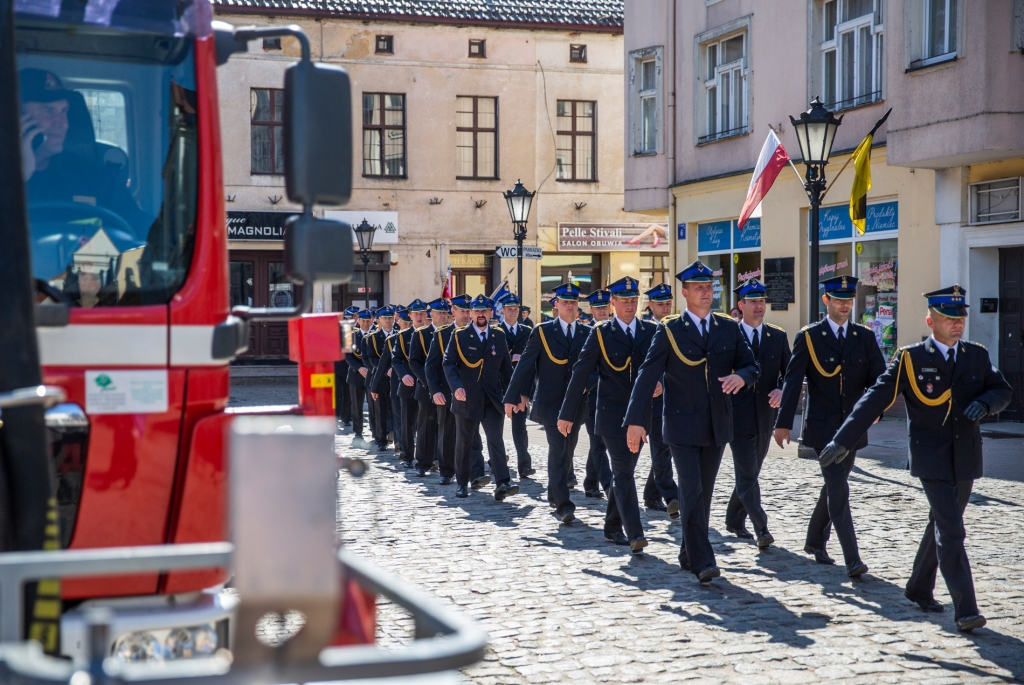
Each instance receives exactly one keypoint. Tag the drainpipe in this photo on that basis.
(670, 142)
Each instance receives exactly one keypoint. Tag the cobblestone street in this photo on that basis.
(561, 604)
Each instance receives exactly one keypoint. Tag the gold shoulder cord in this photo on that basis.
(401, 342)
(817, 364)
(479, 364)
(422, 344)
(945, 398)
(373, 339)
(688, 362)
(547, 349)
(620, 369)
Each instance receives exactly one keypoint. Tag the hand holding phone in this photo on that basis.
(32, 137)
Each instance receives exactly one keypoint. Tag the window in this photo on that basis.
(478, 48)
(109, 113)
(476, 137)
(266, 114)
(384, 135)
(996, 201)
(852, 60)
(385, 45)
(577, 126)
(578, 53)
(653, 270)
(648, 106)
(732, 255)
(725, 88)
(272, 43)
(940, 28)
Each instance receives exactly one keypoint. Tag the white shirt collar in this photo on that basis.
(480, 332)
(566, 327)
(511, 328)
(749, 332)
(696, 319)
(631, 326)
(942, 348)
(835, 327)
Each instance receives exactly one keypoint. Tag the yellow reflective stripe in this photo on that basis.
(547, 349)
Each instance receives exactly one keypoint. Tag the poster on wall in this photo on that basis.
(386, 223)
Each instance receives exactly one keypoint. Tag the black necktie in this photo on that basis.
(568, 333)
(756, 345)
(950, 358)
(704, 329)
(629, 334)
(839, 334)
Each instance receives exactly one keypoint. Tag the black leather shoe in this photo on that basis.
(462, 491)
(444, 480)
(593, 493)
(500, 492)
(511, 489)
(857, 570)
(656, 506)
(765, 540)
(480, 482)
(572, 483)
(420, 473)
(617, 538)
(636, 545)
(740, 532)
(406, 463)
(565, 517)
(928, 604)
(673, 509)
(707, 574)
(684, 564)
(969, 623)
(820, 555)
(527, 472)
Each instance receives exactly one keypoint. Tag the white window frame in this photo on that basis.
(875, 23)
(702, 133)
(976, 188)
(950, 51)
(736, 69)
(637, 58)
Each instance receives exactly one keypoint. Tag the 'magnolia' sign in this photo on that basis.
(574, 237)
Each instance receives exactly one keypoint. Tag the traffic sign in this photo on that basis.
(511, 252)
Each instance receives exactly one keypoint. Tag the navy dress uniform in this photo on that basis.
(615, 349)
(477, 362)
(356, 382)
(375, 344)
(524, 316)
(753, 420)
(342, 392)
(438, 383)
(408, 402)
(545, 369)
(385, 383)
(517, 335)
(660, 485)
(947, 389)
(598, 474)
(691, 354)
(840, 363)
(427, 418)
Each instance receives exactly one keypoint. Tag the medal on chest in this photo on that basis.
(928, 388)
(493, 352)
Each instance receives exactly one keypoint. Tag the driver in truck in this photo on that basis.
(58, 152)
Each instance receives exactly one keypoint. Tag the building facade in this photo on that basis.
(448, 115)
(706, 80)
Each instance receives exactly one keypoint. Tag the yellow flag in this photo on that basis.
(861, 184)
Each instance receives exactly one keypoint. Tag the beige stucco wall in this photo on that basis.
(528, 71)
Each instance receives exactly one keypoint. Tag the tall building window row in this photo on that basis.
(852, 53)
(725, 88)
(266, 130)
(476, 137)
(575, 142)
(384, 135)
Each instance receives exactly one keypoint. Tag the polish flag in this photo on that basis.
(771, 161)
(446, 287)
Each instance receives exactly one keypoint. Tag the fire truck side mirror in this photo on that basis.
(317, 134)
(317, 250)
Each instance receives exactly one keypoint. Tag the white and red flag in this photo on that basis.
(770, 162)
(446, 287)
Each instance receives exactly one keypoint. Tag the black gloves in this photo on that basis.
(976, 410)
(833, 452)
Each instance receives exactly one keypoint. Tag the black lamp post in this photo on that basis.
(519, 200)
(815, 131)
(364, 234)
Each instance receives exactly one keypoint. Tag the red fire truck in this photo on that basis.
(121, 159)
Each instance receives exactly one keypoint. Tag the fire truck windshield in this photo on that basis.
(109, 154)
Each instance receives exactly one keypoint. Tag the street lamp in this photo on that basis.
(364, 234)
(815, 131)
(519, 200)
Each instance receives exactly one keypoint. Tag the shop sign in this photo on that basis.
(749, 237)
(714, 236)
(835, 221)
(470, 261)
(574, 237)
(257, 225)
(386, 223)
(779, 280)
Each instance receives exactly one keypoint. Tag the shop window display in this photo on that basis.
(877, 268)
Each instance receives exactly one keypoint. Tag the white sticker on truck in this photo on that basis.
(126, 392)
